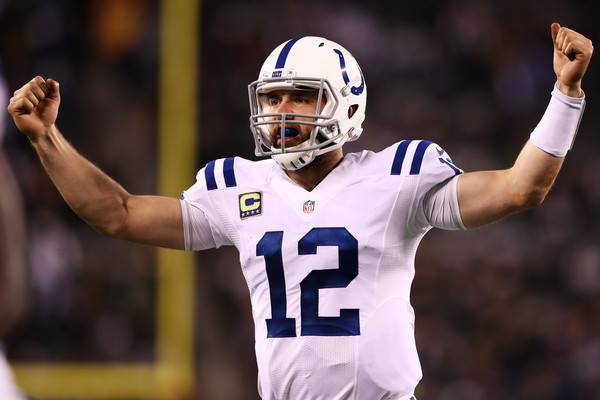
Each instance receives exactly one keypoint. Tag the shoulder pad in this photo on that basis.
(410, 155)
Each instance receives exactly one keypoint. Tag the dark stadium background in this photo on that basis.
(510, 311)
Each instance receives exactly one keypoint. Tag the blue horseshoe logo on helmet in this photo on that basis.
(356, 90)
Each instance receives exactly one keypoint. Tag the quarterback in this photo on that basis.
(329, 284)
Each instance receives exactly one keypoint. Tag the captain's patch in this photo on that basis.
(250, 204)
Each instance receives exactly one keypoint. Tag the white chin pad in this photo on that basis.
(295, 160)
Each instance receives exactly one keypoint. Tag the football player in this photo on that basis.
(326, 240)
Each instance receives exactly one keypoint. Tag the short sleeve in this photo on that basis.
(202, 223)
(436, 199)
(440, 206)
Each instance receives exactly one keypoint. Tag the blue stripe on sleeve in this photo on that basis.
(284, 53)
(229, 172)
(415, 167)
(209, 176)
(399, 157)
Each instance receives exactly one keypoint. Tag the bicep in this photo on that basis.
(484, 197)
(154, 220)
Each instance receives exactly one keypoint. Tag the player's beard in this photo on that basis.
(292, 134)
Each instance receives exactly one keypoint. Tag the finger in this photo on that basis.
(19, 90)
(568, 50)
(560, 40)
(570, 36)
(557, 41)
(580, 47)
(40, 84)
(21, 106)
(37, 91)
(566, 38)
(573, 33)
(37, 79)
(29, 95)
(53, 89)
(22, 95)
(554, 28)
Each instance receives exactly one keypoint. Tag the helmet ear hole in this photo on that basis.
(352, 110)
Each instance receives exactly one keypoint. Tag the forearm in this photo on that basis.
(92, 195)
(532, 176)
(488, 196)
(540, 160)
(95, 197)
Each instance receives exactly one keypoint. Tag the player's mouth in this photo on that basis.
(288, 132)
(291, 137)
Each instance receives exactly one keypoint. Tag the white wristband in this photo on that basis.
(556, 131)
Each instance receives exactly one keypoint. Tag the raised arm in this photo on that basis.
(93, 195)
(488, 196)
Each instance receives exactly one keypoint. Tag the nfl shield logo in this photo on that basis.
(309, 206)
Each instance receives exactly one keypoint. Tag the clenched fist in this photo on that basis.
(34, 106)
(572, 54)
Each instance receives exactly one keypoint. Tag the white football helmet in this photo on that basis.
(310, 63)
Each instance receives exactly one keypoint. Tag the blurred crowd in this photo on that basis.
(507, 311)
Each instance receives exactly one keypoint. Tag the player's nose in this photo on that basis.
(285, 105)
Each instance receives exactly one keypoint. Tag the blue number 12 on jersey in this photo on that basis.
(279, 325)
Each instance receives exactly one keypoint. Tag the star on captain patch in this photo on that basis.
(308, 206)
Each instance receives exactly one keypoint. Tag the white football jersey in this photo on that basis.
(329, 270)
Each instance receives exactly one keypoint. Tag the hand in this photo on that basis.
(34, 107)
(572, 54)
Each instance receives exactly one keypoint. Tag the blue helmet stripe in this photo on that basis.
(356, 90)
(399, 157)
(342, 66)
(415, 167)
(284, 53)
(209, 176)
(229, 172)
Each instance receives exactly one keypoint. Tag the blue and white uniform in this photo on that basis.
(329, 270)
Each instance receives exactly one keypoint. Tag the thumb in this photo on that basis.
(53, 89)
(554, 28)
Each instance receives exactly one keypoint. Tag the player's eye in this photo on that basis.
(304, 100)
(273, 101)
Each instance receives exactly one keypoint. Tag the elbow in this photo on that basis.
(110, 220)
(535, 198)
(528, 191)
(115, 230)
(529, 198)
